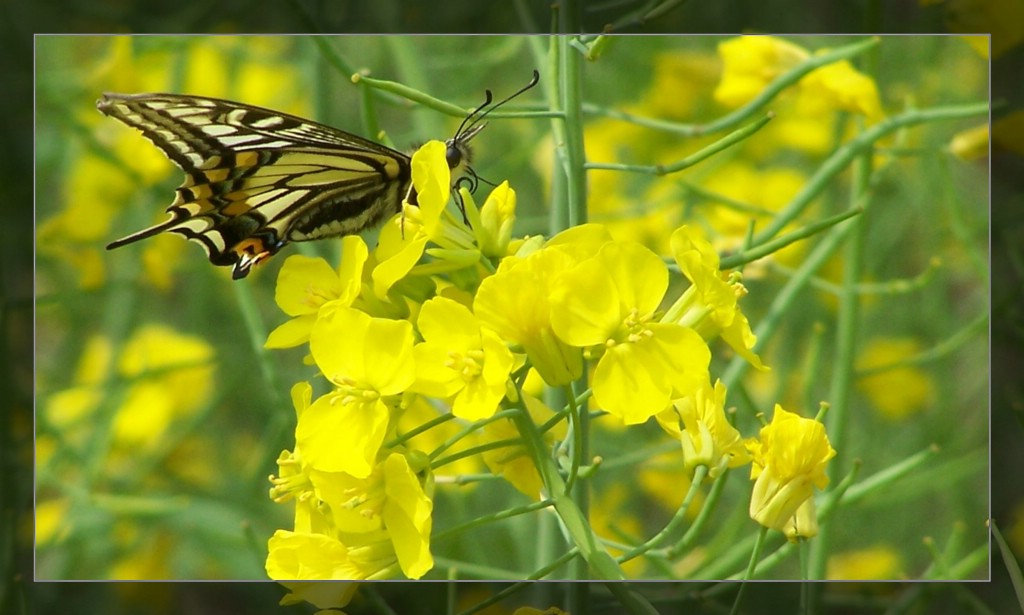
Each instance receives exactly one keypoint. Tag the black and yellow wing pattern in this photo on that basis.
(256, 179)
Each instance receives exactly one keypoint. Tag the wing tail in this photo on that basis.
(146, 232)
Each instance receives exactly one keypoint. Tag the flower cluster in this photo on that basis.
(457, 316)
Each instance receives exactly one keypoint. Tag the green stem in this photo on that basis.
(257, 330)
(491, 518)
(472, 452)
(579, 441)
(576, 525)
(707, 510)
(677, 519)
(846, 349)
(752, 254)
(740, 115)
(751, 567)
(515, 587)
(702, 154)
(855, 147)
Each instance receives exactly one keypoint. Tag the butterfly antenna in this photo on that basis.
(481, 112)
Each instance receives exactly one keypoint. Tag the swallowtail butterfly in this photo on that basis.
(256, 179)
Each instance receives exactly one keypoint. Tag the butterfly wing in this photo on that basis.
(256, 179)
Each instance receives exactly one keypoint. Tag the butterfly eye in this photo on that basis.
(453, 155)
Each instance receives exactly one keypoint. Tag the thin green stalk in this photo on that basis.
(571, 85)
(848, 329)
(600, 562)
(474, 451)
(855, 147)
(703, 517)
(329, 53)
(698, 156)
(402, 91)
(469, 569)
(559, 213)
(884, 479)
(675, 523)
(579, 442)
(455, 439)
(941, 350)
(515, 587)
(406, 92)
(749, 255)
(806, 605)
(492, 518)
(890, 287)
(271, 379)
(786, 296)
(412, 433)
(751, 568)
(740, 115)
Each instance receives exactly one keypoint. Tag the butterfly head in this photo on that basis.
(457, 151)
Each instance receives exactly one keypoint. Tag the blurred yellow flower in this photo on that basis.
(840, 86)
(750, 63)
(880, 562)
(900, 390)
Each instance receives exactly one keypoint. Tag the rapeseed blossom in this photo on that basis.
(789, 460)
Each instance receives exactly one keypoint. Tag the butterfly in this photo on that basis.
(257, 180)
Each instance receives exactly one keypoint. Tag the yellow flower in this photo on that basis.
(608, 302)
(708, 439)
(788, 463)
(840, 86)
(492, 224)
(404, 238)
(871, 563)
(370, 362)
(391, 499)
(292, 481)
(173, 378)
(359, 528)
(302, 556)
(710, 304)
(459, 358)
(750, 63)
(321, 595)
(970, 144)
(306, 284)
(516, 304)
(901, 389)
